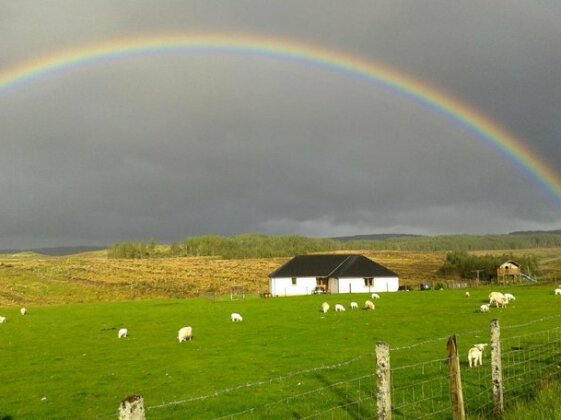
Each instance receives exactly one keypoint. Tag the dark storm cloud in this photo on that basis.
(170, 146)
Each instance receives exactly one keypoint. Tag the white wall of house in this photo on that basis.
(283, 286)
(386, 284)
(359, 285)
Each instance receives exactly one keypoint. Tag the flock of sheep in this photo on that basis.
(184, 333)
(368, 305)
(501, 300)
(475, 354)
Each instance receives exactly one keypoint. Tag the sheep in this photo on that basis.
(375, 296)
(3, 319)
(123, 333)
(494, 297)
(369, 305)
(557, 291)
(339, 308)
(501, 302)
(184, 334)
(509, 297)
(467, 294)
(23, 311)
(475, 354)
(485, 307)
(235, 317)
(354, 305)
(325, 307)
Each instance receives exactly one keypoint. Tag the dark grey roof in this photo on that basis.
(336, 265)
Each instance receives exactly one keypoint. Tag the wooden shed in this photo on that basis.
(509, 272)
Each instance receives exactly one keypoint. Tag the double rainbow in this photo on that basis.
(483, 128)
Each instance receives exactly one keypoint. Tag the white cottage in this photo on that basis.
(338, 273)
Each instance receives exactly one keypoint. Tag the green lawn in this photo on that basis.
(286, 359)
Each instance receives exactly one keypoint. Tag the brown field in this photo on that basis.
(38, 280)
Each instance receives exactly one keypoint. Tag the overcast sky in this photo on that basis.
(170, 146)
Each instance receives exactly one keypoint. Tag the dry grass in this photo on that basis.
(90, 277)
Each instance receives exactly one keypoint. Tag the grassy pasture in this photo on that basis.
(65, 361)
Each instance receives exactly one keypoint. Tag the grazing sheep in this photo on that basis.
(375, 296)
(494, 297)
(123, 333)
(509, 297)
(3, 319)
(339, 308)
(557, 291)
(236, 317)
(325, 307)
(475, 355)
(501, 302)
(485, 307)
(369, 305)
(184, 334)
(467, 294)
(354, 305)
(23, 311)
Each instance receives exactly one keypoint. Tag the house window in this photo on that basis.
(368, 281)
(294, 281)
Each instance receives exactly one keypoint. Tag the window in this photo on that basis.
(368, 281)
(294, 281)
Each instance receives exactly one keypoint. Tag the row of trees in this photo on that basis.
(264, 246)
(133, 250)
(461, 264)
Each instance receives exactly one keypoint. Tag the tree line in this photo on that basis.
(265, 246)
(461, 264)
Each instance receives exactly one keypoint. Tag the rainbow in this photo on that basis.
(481, 127)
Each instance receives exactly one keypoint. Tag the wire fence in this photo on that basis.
(421, 390)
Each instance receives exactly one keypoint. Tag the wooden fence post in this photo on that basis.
(383, 400)
(456, 395)
(496, 367)
(132, 408)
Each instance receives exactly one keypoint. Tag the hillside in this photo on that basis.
(91, 277)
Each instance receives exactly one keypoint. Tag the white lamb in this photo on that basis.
(235, 317)
(475, 355)
(23, 311)
(485, 307)
(184, 334)
(494, 297)
(467, 294)
(369, 305)
(123, 333)
(557, 291)
(3, 319)
(375, 296)
(339, 308)
(354, 305)
(325, 307)
(509, 297)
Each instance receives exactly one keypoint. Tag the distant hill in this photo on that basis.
(55, 251)
(375, 237)
(536, 232)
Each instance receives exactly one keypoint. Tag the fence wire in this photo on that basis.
(419, 391)
(528, 360)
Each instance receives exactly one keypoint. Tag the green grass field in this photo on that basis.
(65, 361)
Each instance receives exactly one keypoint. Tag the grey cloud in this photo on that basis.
(167, 146)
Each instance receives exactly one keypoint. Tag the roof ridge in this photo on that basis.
(342, 262)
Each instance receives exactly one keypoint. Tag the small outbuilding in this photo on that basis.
(335, 273)
(509, 272)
